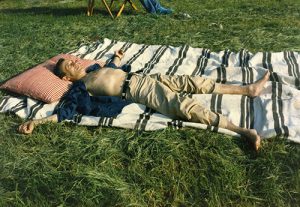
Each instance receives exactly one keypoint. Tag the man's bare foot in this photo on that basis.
(253, 138)
(256, 88)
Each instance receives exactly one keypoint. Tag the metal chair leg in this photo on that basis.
(108, 9)
(122, 8)
(111, 3)
(123, 5)
(132, 5)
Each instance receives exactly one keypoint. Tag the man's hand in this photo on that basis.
(119, 54)
(27, 127)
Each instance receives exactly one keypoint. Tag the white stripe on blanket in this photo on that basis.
(275, 113)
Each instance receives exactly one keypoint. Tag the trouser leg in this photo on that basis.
(186, 83)
(155, 95)
(156, 4)
(149, 6)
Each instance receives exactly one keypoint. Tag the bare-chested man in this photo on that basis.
(159, 92)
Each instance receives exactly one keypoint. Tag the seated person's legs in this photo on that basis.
(153, 6)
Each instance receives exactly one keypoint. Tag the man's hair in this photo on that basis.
(57, 69)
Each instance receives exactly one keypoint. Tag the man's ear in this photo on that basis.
(65, 78)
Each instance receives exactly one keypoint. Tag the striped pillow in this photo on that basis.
(40, 82)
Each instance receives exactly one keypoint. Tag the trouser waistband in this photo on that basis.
(125, 85)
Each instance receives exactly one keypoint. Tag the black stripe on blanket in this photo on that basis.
(175, 124)
(247, 75)
(244, 58)
(221, 78)
(280, 109)
(288, 62)
(247, 112)
(105, 50)
(216, 99)
(34, 109)
(277, 109)
(266, 62)
(274, 109)
(243, 112)
(124, 48)
(155, 59)
(216, 103)
(225, 58)
(102, 121)
(19, 106)
(137, 55)
(77, 118)
(3, 102)
(92, 48)
(293, 67)
(295, 64)
(202, 63)
(212, 128)
(178, 61)
(106, 121)
(143, 119)
(250, 115)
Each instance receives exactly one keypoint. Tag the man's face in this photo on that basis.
(72, 70)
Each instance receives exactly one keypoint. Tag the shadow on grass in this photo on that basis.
(62, 11)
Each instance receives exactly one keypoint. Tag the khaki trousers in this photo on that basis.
(161, 93)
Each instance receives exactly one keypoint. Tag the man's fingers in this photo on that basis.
(22, 127)
(26, 128)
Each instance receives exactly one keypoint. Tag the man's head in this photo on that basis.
(68, 70)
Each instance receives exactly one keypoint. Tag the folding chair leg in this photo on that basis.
(132, 5)
(123, 5)
(90, 7)
(108, 9)
(122, 8)
(111, 3)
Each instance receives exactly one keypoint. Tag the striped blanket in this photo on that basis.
(275, 113)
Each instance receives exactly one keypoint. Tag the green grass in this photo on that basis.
(67, 165)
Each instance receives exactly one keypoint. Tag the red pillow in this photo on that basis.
(40, 82)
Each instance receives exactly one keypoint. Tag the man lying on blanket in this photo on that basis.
(156, 91)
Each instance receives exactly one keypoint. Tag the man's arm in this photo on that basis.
(28, 127)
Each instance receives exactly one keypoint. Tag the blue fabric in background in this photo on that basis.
(153, 6)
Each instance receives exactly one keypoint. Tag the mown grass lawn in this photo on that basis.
(67, 165)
